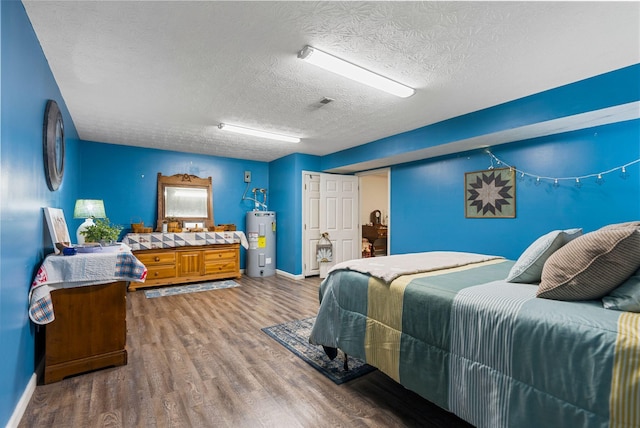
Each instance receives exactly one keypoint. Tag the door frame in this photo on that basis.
(381, 171)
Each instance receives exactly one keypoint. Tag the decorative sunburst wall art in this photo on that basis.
(490, 193)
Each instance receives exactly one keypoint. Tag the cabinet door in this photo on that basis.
(189, 263)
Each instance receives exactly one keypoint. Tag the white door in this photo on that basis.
(339, 215)
(330, 204)
(311, 233)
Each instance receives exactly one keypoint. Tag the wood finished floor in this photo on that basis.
(201, 360)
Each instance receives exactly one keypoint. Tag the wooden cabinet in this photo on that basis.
(89, 331)
(189, 264)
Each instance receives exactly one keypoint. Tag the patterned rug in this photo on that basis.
(294, 336)
(190, 288)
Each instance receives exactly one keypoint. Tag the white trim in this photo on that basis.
(289, 275)
(21, 407)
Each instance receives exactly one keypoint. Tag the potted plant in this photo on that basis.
(102, 232)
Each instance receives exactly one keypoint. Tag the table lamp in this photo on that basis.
(87, 209)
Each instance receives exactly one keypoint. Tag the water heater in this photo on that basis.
(261, 234)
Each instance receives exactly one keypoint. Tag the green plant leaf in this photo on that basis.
(102, 230)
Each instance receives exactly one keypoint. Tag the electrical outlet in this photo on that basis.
(247, 176)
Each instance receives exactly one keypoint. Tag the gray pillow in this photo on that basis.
(592, 265)
(626, 297)
(528, 267)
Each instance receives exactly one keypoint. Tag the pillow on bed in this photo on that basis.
(626, 297)
(528, 267)
(592, 265)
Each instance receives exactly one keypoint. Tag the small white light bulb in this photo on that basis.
(623, 173)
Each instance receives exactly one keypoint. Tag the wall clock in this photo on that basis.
(53, 145)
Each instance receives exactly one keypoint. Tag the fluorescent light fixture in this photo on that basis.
(256, 133)
(352, 71)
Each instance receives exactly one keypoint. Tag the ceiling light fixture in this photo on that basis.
(352, 71)
(257, 133)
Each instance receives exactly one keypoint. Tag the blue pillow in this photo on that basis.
(528, 267)
(626, 297)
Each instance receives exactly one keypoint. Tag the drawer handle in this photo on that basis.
(157, 259)
(156, 273)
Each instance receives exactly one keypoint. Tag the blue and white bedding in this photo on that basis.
(486, 349)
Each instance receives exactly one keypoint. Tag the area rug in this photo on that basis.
(190, 288)
(294, 336)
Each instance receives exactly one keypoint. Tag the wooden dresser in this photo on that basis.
(89, 331)
(179, 265)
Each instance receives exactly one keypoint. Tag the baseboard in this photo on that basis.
(18, 412)
(289, 275)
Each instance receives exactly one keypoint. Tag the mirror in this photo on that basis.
(186, 198)
(185, 202)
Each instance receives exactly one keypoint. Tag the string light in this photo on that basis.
(578, 180)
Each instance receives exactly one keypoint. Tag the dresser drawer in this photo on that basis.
(160, 272)
(212, 256)
(220, 267)
(160, 258)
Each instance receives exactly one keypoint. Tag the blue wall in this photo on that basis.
(126, 179)
(427, 198)
(286, 199)
(27, 84)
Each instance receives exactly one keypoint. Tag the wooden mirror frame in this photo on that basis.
(185, 180)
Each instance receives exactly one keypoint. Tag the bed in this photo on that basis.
(488, 340)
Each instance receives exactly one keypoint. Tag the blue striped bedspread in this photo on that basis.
(488, 350)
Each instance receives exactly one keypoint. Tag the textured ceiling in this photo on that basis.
(164, 74)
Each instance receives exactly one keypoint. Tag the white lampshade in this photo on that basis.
(87, 209)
